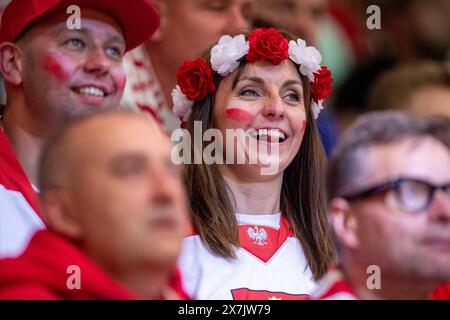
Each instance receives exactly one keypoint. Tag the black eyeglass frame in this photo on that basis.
(394, 184)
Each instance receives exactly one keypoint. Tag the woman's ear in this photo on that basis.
(344, 223)
(11, 63)
(58, 215)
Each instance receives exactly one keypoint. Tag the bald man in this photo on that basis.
(115, 211)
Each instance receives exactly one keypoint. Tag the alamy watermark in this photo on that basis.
(73, 22)
(373, 22)
(374, 280)
(74, 280)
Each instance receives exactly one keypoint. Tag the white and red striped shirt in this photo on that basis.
(334, 286)
(19, 218)
(270, 264)
(143, 91)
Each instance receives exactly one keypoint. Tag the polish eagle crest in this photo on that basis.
(258, 235)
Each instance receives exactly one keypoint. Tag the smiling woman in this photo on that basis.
(256, 236)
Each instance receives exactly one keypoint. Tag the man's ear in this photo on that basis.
(344, 223)
(11, 63)
(162, 8)
(58, 215)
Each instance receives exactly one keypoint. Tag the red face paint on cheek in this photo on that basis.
(304, 125)
(54, 64)
(121, 82)
(59, 66)
(119, 78)
(238, 114)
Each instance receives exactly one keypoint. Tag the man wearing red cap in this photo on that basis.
(52, 72)
(115, 211)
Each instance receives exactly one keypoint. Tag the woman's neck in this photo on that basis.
(256, 198)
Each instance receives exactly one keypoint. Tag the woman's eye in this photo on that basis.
(75, 43)
(293, 97)
(248, 93)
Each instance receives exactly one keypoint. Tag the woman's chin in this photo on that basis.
(267, 164)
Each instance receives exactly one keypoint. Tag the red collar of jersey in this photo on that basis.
(264, 242)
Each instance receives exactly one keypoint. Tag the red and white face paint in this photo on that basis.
(238, 114)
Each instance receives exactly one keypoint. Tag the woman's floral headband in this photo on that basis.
(196, 81)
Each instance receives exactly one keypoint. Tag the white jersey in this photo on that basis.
(143, 91)
(270, 264)
(18, 204)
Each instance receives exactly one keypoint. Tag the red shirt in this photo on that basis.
(19, 208)
(42, 273)
(334, 286)
(441, 293)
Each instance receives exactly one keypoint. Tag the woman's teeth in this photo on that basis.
(270, 135)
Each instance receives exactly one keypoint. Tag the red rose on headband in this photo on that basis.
(321, 87)
(195, 79)
(267, 44)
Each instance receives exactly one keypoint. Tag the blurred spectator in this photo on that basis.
(390, 208)
(115, 211)
(318, 22)
(300, 17)
(188, 27)
(3, 4)
(411, 30)
(422, 88)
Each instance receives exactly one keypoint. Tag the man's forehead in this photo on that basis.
(112, 135)
(58, 22)
(420, 157)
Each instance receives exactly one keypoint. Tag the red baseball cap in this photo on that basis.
(138, 18)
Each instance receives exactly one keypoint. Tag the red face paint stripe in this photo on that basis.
(238, 114)
(55, 66)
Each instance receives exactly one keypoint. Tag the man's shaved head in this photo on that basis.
(59, 157)
(107, 182)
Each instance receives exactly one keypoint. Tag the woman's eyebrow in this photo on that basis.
(290, 82)
(254, 79)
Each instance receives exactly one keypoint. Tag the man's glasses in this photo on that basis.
(412, 195)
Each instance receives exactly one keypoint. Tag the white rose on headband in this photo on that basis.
(182, 106)
(225, 54)
(308, 58)
(316, 108)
